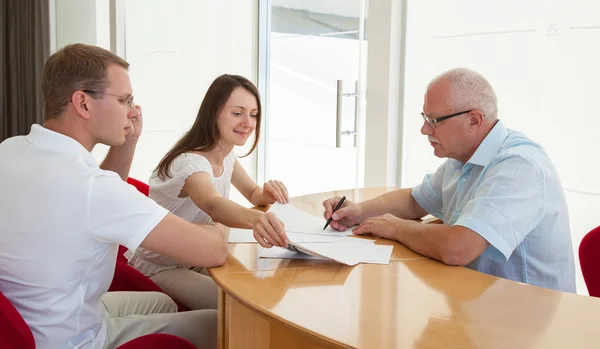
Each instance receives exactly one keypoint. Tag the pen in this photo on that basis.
(335, 209)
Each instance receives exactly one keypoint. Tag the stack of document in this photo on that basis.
(308, 240)
(349, 251)
(246, 235)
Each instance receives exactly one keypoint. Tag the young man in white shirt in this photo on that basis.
(62, 216)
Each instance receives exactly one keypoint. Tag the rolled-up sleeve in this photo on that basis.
(508, 203)
(428, 194)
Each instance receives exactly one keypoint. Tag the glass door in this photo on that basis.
(314, 101)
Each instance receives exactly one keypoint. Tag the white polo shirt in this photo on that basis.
(61, 219)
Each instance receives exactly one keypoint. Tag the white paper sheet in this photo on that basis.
(298, 221)
(346, 252)
(245, 236)
(240, 235)
(428, 219)
(378, 254)
(350, 251)
(284, 253)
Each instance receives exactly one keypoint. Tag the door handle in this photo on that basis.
(338, 113)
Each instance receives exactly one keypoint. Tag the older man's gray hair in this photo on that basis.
(469, 90)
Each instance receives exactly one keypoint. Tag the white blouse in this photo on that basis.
(166, 194)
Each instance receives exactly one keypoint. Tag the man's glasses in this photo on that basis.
(129, 100)
(433, 122)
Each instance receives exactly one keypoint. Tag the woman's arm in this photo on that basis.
(268, 230)
(203, 193)
(257, 195)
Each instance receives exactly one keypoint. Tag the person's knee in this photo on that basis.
(204, 327)
(164, 303)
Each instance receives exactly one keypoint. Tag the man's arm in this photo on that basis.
(119, 159)
(506, 205)
(195, 244)
(453, 245)
(399, 203)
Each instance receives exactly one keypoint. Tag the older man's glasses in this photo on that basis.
(128, 101)
(432, 122)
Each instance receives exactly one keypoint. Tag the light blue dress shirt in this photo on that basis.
(510, 194)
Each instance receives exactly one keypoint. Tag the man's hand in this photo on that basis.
(385, 226)
(345, 217)
(119, 158)
(138, 124)
(222, 230)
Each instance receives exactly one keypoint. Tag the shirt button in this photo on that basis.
(464, 180)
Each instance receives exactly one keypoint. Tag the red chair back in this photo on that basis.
(121, 254)
(139, 185)
(589, 259)
(144, 189)
(158, 341)
(14, 332)
(127, 278)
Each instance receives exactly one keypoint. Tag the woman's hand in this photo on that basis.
(275, 191)
(269, 231)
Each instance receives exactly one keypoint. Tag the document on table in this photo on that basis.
(378, 254)
(307, 239)
(246, 236)
(349, 251)
(298, 221)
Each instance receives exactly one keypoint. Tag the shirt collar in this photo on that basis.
(58, 142)
(490, 146)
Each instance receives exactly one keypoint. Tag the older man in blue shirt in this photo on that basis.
(498, 194)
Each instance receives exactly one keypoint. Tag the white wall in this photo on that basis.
(384, 97)
(79, 21)
(75, 22)
(542, 59)
(176, 48)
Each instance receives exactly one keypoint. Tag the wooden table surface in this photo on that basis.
(414, 302)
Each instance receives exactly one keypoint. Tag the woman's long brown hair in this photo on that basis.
(204, 134)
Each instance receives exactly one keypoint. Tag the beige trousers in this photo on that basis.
(192, 288)
(134, 314)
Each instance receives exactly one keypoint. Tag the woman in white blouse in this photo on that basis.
(193, 181)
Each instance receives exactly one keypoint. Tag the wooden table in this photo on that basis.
(413, 302)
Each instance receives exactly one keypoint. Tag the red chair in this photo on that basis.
(158, 341)
(121, 254)
(141, 186)
(15, 333)
(127, 278)
(144, 189)
(589, 259)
